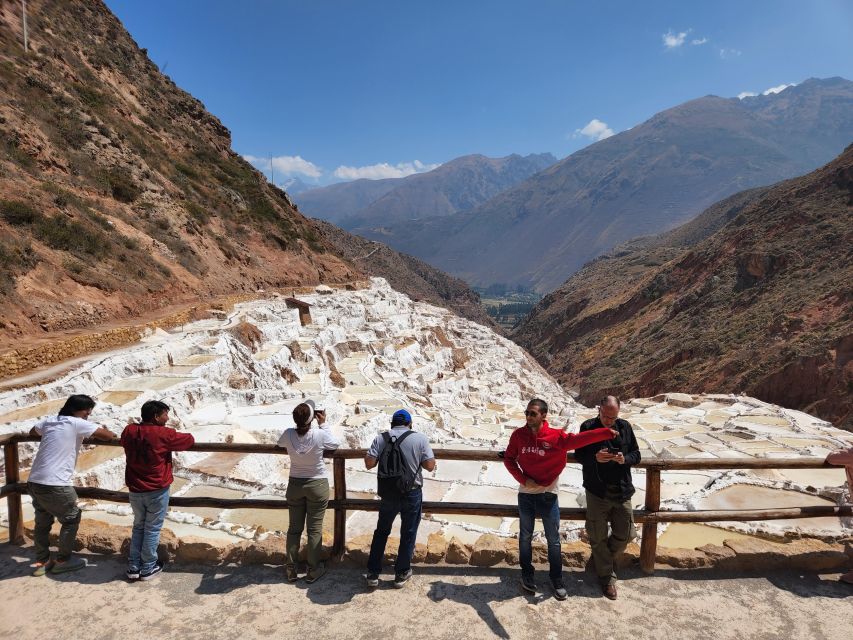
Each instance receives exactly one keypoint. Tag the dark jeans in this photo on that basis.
(545, 506)
(52, 502)
(409, 508)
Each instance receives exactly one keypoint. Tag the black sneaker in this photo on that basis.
(402, 578)
(132, 574)
(148, 575)
(372, 580)
(560, 592)
(528, 584)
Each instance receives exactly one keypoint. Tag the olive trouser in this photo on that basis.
(51, 502)
(307, 499)
(618, 514)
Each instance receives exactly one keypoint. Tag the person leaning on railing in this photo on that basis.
(50, 481)
(845, 458)
(307, 488)
(148, 448)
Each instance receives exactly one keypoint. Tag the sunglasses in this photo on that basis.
(531, 413)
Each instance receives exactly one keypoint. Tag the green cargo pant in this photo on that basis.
(601, 512)
(51, 502)
(307, 499)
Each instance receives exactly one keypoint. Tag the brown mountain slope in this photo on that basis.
(406, 274)
(119, 192)
(763, 306)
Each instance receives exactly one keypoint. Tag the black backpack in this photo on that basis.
(395, 476)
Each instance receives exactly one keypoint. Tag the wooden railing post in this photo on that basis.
(339, 473)
(13, 500)
(649, 544)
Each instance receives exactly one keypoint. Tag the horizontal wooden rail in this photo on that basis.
(649, 517)
(467, 508)
(488, 455)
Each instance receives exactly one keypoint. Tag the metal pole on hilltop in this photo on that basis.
(24, 20)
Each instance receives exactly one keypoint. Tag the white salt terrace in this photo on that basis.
(368, 352)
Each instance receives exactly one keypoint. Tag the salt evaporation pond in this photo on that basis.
(368, 352)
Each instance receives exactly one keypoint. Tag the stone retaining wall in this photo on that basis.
(806, 554)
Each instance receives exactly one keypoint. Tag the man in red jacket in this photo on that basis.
(148, 447)
(536, 456)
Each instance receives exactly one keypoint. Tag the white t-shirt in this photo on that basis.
(306, 451)
(61, 437)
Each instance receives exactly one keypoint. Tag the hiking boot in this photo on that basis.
(560, 592)
(372, 580)
(291, 573)
(401, 579)
(528, 584)
(132, 574)
(609, 591)
(315, 574)
(41, 568)
(148, 575)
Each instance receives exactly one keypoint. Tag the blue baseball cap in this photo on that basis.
(401, 417)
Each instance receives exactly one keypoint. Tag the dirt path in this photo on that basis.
(441, 602)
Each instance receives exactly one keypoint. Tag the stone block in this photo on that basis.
(575, 554)
(457, 552)
(357, 549)
(420, 555)
(196, 550)
(268, 551)
(806, 553)
(511, 548)
(630, 557)
(682, 558)
(436, 547)
(488, 551)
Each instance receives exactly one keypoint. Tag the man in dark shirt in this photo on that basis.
(607, 480)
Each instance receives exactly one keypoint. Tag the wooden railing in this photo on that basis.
(650, 516)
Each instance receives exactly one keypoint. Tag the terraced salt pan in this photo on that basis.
(392, 353)
(688, 535)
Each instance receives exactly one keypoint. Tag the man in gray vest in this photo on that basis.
(401, 454)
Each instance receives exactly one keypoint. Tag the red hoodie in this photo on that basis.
(148, 449)
(542, 457)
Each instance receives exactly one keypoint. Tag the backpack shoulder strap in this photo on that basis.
(402, 437)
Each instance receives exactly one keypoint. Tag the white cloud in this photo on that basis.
(674, 40)
(778, 89)
(595, 130)
(726, 54)
(767, 92)
(383, 170)
(286, 165)
(698, 41)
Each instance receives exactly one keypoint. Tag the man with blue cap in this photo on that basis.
(399, 455)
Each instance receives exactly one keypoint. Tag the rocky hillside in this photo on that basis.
(645, 180)
(406, 274)
(367, 206)
(753, 296)
(119, 192)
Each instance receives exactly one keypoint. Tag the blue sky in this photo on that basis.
(339, 90)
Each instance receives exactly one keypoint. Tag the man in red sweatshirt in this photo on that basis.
(536, 456)
(148, 447)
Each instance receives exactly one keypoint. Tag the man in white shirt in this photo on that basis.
(50, 485)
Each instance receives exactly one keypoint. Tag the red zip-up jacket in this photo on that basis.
(542, 457)
(148, 449)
